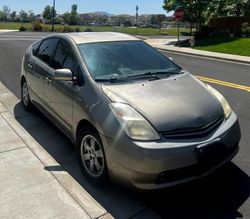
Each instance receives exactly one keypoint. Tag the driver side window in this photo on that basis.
(64, 57)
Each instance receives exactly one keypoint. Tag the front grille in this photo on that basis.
(194, 132)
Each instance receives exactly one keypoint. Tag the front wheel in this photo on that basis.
(91, 157)
(25, 97)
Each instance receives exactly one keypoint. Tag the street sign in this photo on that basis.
(178, 14)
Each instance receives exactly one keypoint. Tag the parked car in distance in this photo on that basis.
(134, 115)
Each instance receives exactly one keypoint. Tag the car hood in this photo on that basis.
(177, 103)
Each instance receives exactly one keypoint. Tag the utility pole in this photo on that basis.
(136, 18)
(53, 16)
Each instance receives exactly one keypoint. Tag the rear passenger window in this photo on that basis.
(46, 49)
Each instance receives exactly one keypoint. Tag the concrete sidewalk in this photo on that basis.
(169, 45)
(28, 187)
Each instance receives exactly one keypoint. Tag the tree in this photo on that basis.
(31, 16)
(238, 7)
(23, 16)
(160, 19)
(216, 8)
(48, 13)
(153, 20)
(127, 23)
(72, 18)
(13, 15)
(194, 10)
(247, 8)
(223, 8)
(5, 12)
(66, 17)
(156, 20)
(74, 9)
(74, 15)
(2, 17)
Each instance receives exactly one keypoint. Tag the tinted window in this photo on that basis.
(60, 55)
(64, 57)
(46, 49)
(123, 58)
(35, 48)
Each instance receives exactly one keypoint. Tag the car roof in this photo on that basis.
(91, 37)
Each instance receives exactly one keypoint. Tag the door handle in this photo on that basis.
(48, 80)
(30, 65)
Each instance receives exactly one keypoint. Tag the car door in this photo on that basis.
(42, 70)
(29, 63)
(62, 102)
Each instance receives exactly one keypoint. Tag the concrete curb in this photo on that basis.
(196, 53)
(6, 31)
(166, 44)
(92, 208)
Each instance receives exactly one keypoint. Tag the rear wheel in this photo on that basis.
(25, 97)
(92, 157)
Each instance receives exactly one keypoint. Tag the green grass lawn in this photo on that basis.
(230, 45)
(128, 30)
(14, 25)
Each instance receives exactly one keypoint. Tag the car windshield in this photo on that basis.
(123, 61)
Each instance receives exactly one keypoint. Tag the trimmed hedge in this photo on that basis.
(229, 24)
(22, 28)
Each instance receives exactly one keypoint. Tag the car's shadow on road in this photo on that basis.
(217, 196)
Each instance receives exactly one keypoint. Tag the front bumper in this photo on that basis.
(155, 165)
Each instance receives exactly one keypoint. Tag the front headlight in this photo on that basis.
(133, 123)
(226, 107)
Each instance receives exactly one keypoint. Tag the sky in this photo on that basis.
(110, 6)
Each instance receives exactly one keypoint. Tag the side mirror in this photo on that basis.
(63, 75)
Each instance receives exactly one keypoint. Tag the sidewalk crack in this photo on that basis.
(2, 152)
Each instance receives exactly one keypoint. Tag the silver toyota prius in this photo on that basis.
(134, 115)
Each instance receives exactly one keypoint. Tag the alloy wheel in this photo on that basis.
(92, 156)
(25, 94)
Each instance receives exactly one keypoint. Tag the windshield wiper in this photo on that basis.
(144, 75)
(112, 79)
(155, 73)
(166, 72)
(149, 74)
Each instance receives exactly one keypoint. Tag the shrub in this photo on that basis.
(204, 32)
(233, 24)
(77, 29)
(245, 29)
(88, 30)
(59, 28)
(67, 29)
(46, 29)
(22, 28)
(37, 26)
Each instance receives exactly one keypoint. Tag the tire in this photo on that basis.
(91, 157)
(25, 97)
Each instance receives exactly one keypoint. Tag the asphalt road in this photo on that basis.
(224, 194)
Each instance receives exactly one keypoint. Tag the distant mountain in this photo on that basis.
(104, 13)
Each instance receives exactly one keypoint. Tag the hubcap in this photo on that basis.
(25, 94)
(92, 156)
